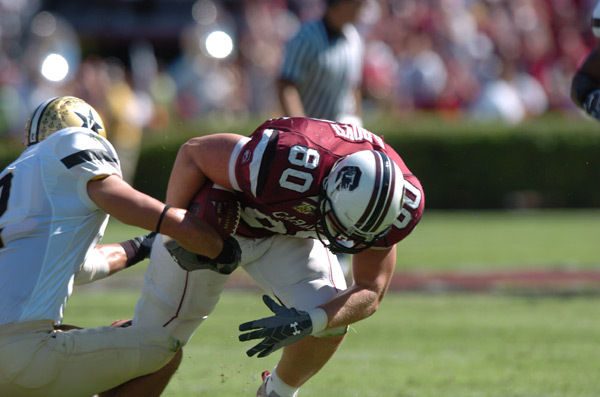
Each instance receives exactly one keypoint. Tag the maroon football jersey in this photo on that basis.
(282, 167)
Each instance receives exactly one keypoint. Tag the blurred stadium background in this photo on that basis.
(159, 61)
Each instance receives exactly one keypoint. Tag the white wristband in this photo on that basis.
(319, 320)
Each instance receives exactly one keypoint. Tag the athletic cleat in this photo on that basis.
(262, 390)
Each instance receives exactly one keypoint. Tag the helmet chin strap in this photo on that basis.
(331, 240)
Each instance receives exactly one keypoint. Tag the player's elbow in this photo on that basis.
(190, 147)
(372, 299)
(377, 300)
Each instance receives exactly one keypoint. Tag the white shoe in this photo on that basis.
(262, 390)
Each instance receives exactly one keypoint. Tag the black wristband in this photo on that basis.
(131, 249)
(160, 218)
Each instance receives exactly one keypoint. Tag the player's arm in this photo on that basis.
(107, 259)
(289, 99)
(372, 271)
(132, 207)
(200, 159)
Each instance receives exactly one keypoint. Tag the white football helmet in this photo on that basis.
(360, 199)
(57, 113)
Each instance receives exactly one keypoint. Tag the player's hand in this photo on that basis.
(284, 328)
(592, 104)
(227, 261)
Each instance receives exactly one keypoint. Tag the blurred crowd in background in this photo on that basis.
(144, 63)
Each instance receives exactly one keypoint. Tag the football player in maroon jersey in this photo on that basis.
(308, 189)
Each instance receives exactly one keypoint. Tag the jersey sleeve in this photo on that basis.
(276, 165)
(252, 164)
(86, 155)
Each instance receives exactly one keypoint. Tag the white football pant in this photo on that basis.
(301, 273)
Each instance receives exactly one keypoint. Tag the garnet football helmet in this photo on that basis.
(360, 199)
(57, 113)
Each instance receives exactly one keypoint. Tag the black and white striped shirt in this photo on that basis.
(326, 68)
(596, 20)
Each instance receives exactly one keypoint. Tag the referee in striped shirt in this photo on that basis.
(322, 69)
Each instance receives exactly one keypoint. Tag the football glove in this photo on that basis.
(284, 328)
(592, 104)
(227, 261)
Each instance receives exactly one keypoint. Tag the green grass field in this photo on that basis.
(475, 240)
(417, 344)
